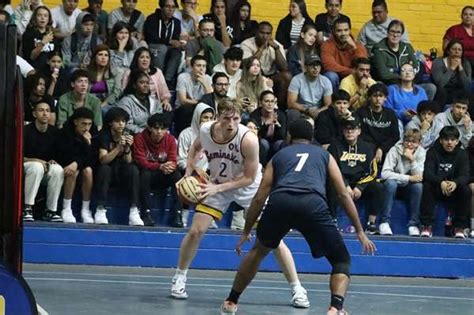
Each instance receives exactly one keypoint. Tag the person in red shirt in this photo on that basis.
(155, 153)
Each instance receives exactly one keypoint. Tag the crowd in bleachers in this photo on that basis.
(116, 99)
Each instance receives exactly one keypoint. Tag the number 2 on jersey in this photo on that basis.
(223, 167)
(303, 157)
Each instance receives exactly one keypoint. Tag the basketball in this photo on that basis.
(188, 190)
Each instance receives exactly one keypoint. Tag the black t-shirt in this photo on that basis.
(323, 25)
(106, 142)
(30, 40)
(29, 104)
(40, 145)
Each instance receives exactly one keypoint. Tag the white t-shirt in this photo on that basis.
(65, 23)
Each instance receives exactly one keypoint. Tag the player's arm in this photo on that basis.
(193, 156)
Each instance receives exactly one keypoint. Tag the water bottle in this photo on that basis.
(448, 226)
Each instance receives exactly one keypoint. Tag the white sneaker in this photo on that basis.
(238, 221)
(299, 298)
(86, 216)
(413, 231)
(384, 229)
(184, 217)
(67, 216)
(100, 216)
(178, 287)
(472, 233)
(134, 218)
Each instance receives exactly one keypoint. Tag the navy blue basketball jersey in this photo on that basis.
(300, 168)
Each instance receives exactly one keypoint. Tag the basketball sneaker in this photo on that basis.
(67, 216)
(100, 216)
(228, 307)
(385, 229)
(334, 311)
(134, 218)
(178, 287)
(459, 233)
(147, 218)
(371, 228)
(413, 231)
(299, 297)
(426, 231)
(86, 216)
(51, 216)
(28, 215)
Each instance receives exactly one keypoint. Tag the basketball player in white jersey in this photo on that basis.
(235, 173)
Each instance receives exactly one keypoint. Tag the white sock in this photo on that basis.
(67, 203)
(295, 284)
(86, 204)
(180, 272)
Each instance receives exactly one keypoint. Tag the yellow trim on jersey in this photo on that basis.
(216, 214)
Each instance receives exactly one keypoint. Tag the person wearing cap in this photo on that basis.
(356, 160)
(309, 93)
(357, 84)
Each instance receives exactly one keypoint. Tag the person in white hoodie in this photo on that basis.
(403, 171)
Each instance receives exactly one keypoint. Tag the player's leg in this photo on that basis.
(339, 281)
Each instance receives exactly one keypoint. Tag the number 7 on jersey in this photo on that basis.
(303, 157)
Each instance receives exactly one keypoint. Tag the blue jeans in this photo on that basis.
(334, 78)
(413, 194)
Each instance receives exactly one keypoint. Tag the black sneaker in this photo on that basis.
(176, 220)
(28, 215)
(52, 216)
(147, 218)
(371, 228)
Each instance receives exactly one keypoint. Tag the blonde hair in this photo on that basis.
(412, 134)
(228, 104)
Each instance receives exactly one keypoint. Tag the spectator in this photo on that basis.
(25, 68)
(305, 46)
(77, 156)
(64, 18)
(57, 77)
(289, 28)
(78, 47)
(425, 122)
(23, 13)
(34, 93)
(325, 21)
(100, 16)
(128, 14)
(78, 97)
(377, 29)
(446, 178)
(165, 45)
(471, 183)
(379, 124)
(189, 19)
(220, 85)
(310, 92)
(339, 52)
(403, 175)
(452, 73)
(154, 152)
(5, 17)
(217, 14)
(241, 25)
(39, 163)
(231, 67)
(404, 97)
(122, 46)
(357, 84)
(137, 102)
(116, 166)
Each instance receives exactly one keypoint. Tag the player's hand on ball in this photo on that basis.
(367, 245)
(243, 238)
(208, 189)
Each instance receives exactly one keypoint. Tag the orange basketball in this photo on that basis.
(188, 190)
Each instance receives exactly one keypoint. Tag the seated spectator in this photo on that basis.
(128, 14)
(57, 76)
(310, 92)
(425, 122)
(39, 163)
(377, 29)
(471, 182)
(64, 18)
(165, 45)
(271, 126)
(339, 52)
(324, 21)
(78, 156)
(305, 46)
(106, 82)
(289, 28)
(23, 13)
(379, 124)
(77, 48)
(5, 17)
(446, 178)
(451, 73)
(457, 116)
(189, 19)
(358, 83)
(404, 97)
(403, 175)
(138, 103)
(38, 39)
(231, 67)
(25, 68)
(464, 33)
(116, 166)
(328, 125)
(122, 46)
(78, 97)
(154, 151)
(35, 92)
(271, 55)
(217, 14)
(220, 85)
(241, 24)
(100, 16)
(190, 88)
(356, 159)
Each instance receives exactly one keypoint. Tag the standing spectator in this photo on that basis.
(241, 25)
(403, 173)
(164, 44)
(128, 14)
(358, 83)
(339, 52)
(325, 21)
(122, 46)
(217, 14)
(34, 93)
(23, 13)
(425, 122)
(376, 29)
(101, 16)
(154, 151)
(39, 162)
(116, 166)
(305, 46)
(445, 178)
(64, 18)
(289, 28)
(189, 19)
(463, 32)
(231, 67)
(220, 85)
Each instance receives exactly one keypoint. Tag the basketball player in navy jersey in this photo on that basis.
(232, 152)
(295, 181)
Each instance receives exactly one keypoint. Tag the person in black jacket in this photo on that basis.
(289, 28)
(356, 159)
(446, 178)
(220, 85)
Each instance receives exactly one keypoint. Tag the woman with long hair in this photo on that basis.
(304, 47)
(241, 24)
(289, 28)
(121, 44)
(217, 14)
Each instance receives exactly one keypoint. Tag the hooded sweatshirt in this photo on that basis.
(429, 137)
(446, 119)
(147, 153)
(138, 112)
(398, 168)
(187, 137)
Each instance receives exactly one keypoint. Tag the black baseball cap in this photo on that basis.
(351, 122)
(312, 59)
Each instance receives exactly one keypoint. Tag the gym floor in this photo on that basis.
(93, 290)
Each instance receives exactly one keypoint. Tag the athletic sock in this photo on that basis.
(67, 203)
(337, 301)
(234, 296)
(86, 205)
(181, 272)
(294, 285)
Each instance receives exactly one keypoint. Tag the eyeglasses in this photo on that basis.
(397, 33)
(222, 84)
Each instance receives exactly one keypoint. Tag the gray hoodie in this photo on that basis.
(429, 137)
(446, 119)
(139, 114)
(398, 168)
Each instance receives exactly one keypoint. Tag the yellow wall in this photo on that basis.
(426, 20)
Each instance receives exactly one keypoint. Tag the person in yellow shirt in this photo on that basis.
(358, 83)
